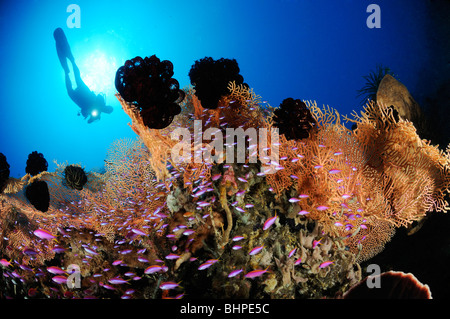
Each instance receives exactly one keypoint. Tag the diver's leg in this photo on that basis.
(62, 45)
(69, 88)
(62, 60)
(76, 73)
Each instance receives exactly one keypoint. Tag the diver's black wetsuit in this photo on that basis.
(91, 105)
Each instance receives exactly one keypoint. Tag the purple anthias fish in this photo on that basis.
(44, 234)
(326, 264)
(269, 222)
(5, 263)
(59, 249)
(117, 281)
(152, 269)
(203, 204)
(60, 279)
(255, 273)
(168, 285)
(138, 232)
(234, 273)
(292, 252)
(90, 251)
(207, 264)
(240, 209)
(256, 250)
(55, 270)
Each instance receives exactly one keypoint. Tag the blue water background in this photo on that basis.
(313, 50)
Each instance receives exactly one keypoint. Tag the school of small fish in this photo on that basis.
(136, 238)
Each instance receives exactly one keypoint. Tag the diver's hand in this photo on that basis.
(93, 118)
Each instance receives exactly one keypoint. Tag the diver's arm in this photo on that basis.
(94, 118)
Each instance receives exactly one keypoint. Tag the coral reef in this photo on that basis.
(36, 163)
(74, 177)
(158, 224)
(396, 285)
(293, 119)
(369, 91)
(393, 92)
(362, 184)
(210, 79)
(4, 171)
(148, 83)
(38, 195)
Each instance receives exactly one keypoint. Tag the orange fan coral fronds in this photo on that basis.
(418, 172)
(18, 220)
(368, 242)
(158, 143)
(239, 108)
(361, 185)
(194, 172)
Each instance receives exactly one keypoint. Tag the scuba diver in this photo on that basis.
(91, 105)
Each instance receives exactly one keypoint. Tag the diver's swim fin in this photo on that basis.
(62, 48)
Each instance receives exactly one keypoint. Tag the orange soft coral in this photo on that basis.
(360, 185)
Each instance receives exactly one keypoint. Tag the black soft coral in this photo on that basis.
(294, 119)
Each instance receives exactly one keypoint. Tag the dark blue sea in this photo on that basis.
(308, 50)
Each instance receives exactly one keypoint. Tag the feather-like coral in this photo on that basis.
(334, 199)
(355, 182)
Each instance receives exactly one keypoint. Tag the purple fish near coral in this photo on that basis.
(168, 285)
(234, 273)
(43, 234)
(117, 281)
(60, 279)
(256, 250)
(326, 264)
(256, 273)
(269, 222)
(152, 269)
